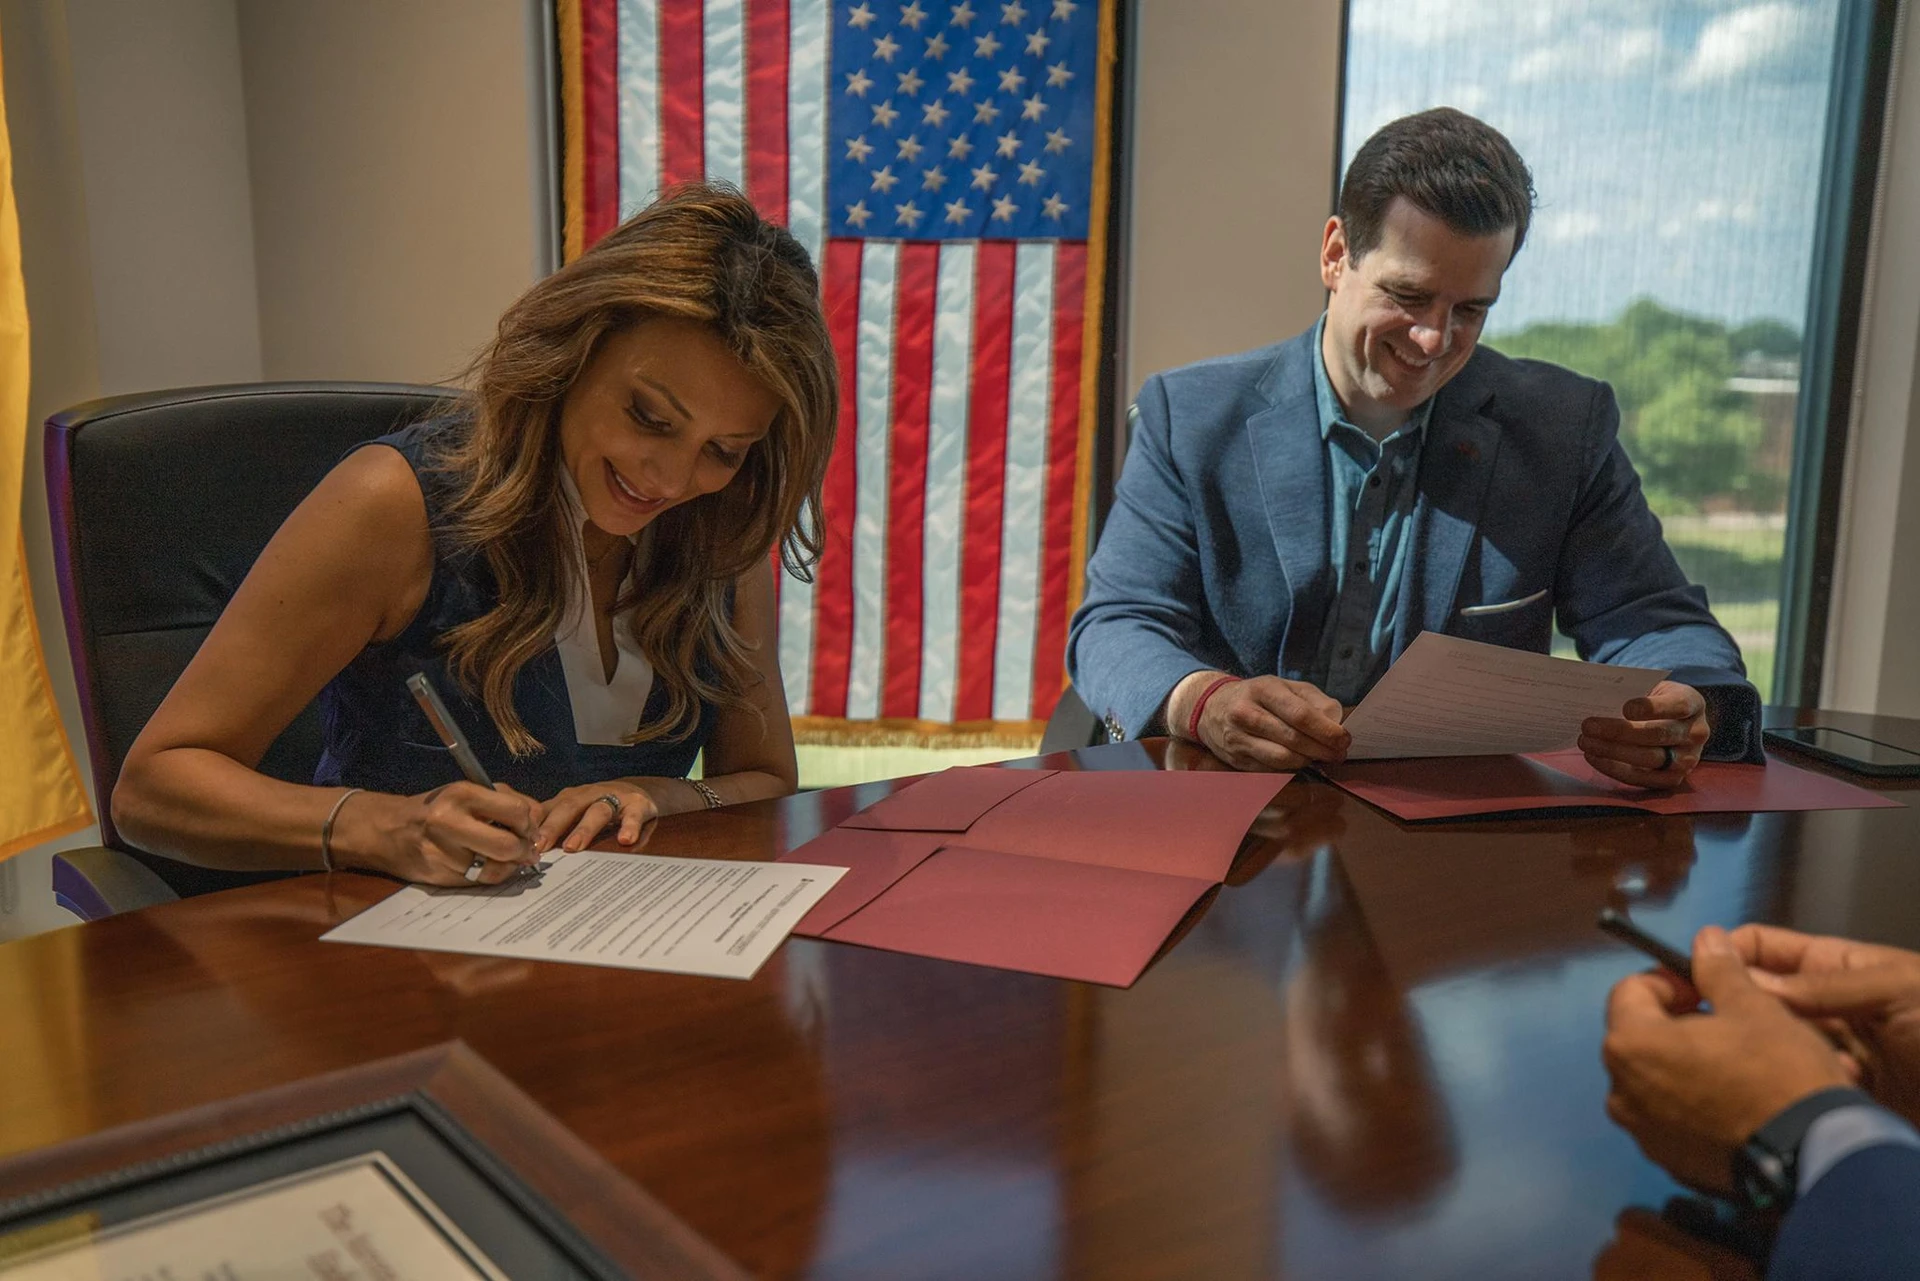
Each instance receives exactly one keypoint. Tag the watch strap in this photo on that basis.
(1765, 1168)
(1788, 1126)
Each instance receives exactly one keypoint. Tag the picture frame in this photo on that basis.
(442, 1139)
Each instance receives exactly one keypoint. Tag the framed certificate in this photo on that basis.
(430, 1165)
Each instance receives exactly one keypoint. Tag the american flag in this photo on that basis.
(944, 165)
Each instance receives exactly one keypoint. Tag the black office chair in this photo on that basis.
(1071, 725)
(160, 503)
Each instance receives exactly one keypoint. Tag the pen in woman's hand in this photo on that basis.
(448, 729)
(456, 741)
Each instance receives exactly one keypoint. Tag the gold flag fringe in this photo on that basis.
(828, 731)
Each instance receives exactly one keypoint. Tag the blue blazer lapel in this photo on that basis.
(1456, 471)
(1290, 464)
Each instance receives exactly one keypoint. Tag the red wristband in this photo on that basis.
(1193, 721)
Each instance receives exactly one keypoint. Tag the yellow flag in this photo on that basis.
(40, 792)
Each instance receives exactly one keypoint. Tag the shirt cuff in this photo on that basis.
(1840, 1133)
(1733, 714)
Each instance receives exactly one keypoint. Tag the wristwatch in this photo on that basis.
(1766, 1168)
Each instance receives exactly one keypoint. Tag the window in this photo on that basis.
(1677, 148)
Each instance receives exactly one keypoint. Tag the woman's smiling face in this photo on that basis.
(662, 414)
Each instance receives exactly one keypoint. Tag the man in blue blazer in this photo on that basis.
(1289, 519)
(1750, 1102)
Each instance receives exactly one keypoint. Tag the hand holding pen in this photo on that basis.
(478, 831)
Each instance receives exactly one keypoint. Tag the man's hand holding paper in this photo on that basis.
(1655, 742)
(1454, 697)
(1451, 697)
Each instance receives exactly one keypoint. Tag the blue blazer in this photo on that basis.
(1215, 552)
(1860, 1221)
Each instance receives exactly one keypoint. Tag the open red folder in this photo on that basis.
(1472, 786)
(1078, 875)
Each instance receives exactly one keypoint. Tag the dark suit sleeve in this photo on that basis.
(1860, 1222)
(1140, 629)
(1623, 598)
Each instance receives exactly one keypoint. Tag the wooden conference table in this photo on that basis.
(1373, 1054)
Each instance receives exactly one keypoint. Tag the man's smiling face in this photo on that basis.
(1403, 318)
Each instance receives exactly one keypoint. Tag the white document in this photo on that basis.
(1450, 697)
(632, 911)
(359, 1218)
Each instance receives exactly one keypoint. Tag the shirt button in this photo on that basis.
(1346, 652)
(1359, 567)
(1373, 482)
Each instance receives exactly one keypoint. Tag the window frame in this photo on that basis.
(1844, 238)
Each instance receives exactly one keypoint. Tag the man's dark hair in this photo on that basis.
(1461, 170)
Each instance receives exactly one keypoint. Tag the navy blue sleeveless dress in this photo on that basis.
(375, 737)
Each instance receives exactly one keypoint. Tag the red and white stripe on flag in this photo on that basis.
(956, 499)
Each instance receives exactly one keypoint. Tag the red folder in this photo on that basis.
(874, 860)
(1076, 874)
(1036, 915)
(1456, 787)
(949, 801)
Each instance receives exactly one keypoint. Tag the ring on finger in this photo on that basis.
(474, 869)
(612, 802)
(1666, 761)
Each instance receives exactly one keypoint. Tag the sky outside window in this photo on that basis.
(1675, 144)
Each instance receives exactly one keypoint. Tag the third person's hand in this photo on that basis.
(1690, 1085)
(1871, 989)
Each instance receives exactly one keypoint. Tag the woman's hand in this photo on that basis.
(433, 838)
(574, 818)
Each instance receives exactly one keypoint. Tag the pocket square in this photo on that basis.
(1501, 607)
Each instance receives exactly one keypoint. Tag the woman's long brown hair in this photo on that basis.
(701, 253)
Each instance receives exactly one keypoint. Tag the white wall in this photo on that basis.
(391, 144)
(163, 152)
(1235, 114)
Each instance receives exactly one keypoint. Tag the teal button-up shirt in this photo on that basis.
(1369, 512)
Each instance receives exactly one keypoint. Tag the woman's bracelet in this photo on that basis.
(707, 794)
(326, 828)
(1200, 705)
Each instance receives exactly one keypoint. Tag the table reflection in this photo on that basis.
(1366, 1120)
(930, 1138)
(1647, 1245)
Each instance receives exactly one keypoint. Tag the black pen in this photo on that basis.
(1617, 924)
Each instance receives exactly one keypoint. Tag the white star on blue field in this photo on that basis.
(1676, 144)
(963, 121)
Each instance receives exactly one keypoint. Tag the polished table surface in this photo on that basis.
(1374, 1053)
